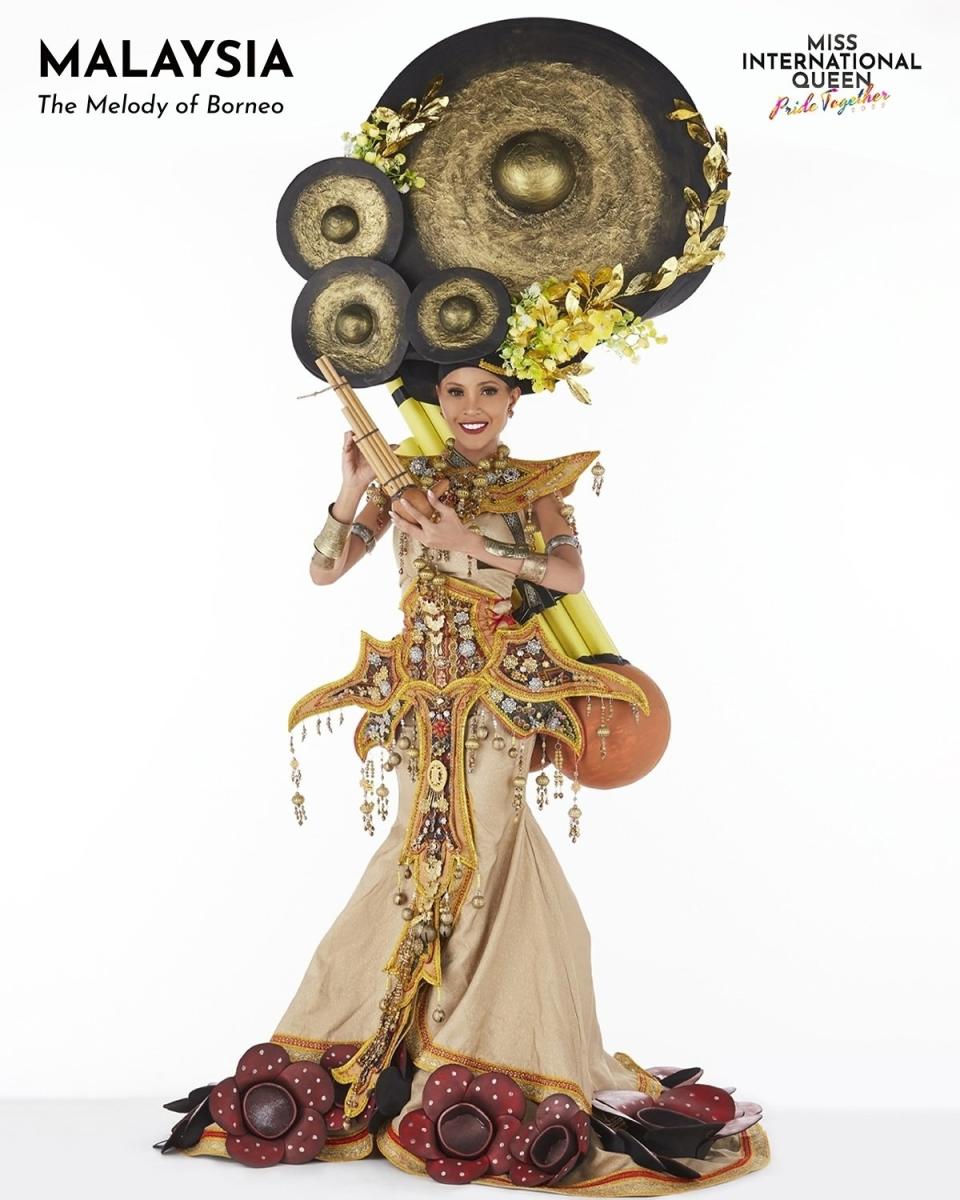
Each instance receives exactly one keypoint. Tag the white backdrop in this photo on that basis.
(775, 902)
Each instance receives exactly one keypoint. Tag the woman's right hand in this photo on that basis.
(357, 472)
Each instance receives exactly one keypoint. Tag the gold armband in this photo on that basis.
(331, 539)
(505, 549)
(533, 568)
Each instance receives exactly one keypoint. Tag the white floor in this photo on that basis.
(103, 1148)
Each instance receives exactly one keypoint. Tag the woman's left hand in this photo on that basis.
(445, 531)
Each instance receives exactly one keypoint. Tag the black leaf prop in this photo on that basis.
(614, 1135)
(189, 1130)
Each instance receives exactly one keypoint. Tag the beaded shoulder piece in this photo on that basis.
(499, 484)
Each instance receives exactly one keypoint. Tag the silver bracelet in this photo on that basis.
(562, 539)
(364, 534)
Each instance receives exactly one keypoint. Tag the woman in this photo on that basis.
(483, 1057)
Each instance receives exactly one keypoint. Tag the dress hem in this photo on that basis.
(754, 1154)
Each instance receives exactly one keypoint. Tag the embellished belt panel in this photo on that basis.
(457, 647)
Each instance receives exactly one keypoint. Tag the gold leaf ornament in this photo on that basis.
(700, 213)
(579, 391)
(544, 337)
(385, 133)
(699, 132)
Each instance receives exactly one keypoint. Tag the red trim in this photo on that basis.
(745, 1145)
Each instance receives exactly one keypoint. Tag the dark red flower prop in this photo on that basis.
(272, 1109)
(465, 1124)
(682, 1122)
(552, 1144)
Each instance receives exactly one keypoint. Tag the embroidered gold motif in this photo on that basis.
(500, 484)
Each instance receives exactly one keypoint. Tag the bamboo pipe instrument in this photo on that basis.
(392, 476)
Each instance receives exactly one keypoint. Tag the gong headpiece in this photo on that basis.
(457, 314)
(562, 149)
(338, 208)
(570, 189)
(353, 311)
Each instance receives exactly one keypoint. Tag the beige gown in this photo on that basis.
(516, 985)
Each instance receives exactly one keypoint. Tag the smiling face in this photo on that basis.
(476, 404)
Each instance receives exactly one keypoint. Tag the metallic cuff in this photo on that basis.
(364, 534)
(505, 549)
(562, 539)
(332, 538)
(534, 567)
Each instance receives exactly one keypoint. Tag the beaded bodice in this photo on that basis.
(494, 496)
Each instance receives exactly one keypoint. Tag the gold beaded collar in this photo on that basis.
(499, 484)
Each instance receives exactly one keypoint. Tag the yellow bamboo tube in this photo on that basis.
(438, 421)
(429, 441)
(588, 627)
(591, 628)
(565, 631)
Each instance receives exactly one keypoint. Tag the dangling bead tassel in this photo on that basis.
(598, 472)
(477, 900)
(471, 745)
(519, 794)
(383, 801)
(383, 792)
(298, 810)
(446, 916)
(366, 784)
(603, 729)
(303, 732)
(529, 527)
(558, 772)
(439, 1015)
(574, 812)
(400, 896)
(295, 776)
(404, 743)
(543, 779)
(394, 759)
